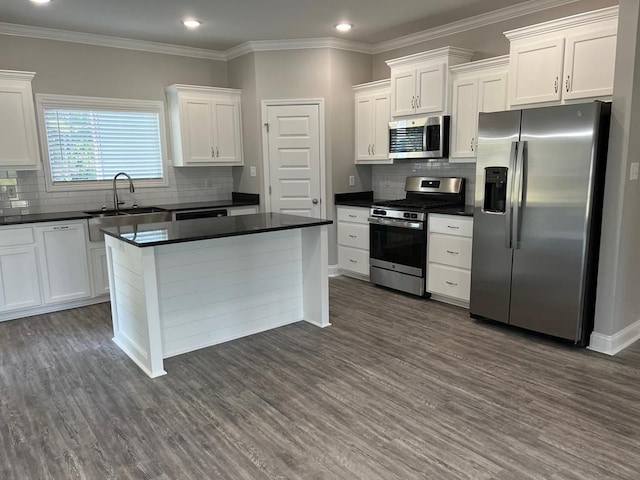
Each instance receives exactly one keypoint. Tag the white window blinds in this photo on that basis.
(93, 144)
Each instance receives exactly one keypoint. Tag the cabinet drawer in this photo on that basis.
(353, 235)
(353, 214)
(449, 281)
(450, 250)
(353, 259)
(451, 224)
(16, 236)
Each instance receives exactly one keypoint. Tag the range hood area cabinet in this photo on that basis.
(372, 116)
(18, 134)
(206, 128)
(479, 86)
(420, 83)
(563, 60)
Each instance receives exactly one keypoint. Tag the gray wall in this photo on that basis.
(77, 69)
(487, 41)
(618, 301)
(303, 74)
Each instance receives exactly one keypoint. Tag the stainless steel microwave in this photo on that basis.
(425, 137)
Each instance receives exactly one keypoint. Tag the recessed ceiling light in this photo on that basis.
(191, 23)
(343, 27)
(40, 1)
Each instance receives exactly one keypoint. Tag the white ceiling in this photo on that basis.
(228, 23)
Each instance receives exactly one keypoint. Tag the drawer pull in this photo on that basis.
(353, 236)
(451, 283)
(353, 216)
(61, 228)
(452, 252)
(453, 227)
(353, 261)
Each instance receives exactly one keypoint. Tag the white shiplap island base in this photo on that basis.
(180, 286)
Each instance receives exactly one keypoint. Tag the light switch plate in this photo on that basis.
(11, 191)
(633, 171)
(252, 171)
(352, 180)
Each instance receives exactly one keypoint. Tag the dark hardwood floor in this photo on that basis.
(397, 388)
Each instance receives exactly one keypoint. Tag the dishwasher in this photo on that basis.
(199, 213)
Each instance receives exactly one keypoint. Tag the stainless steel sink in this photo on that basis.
(125, 216)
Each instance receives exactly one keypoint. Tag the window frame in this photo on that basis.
(44, 101)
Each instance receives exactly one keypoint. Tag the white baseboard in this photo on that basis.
(612, 344)
(334, 271)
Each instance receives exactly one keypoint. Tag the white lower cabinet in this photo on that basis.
(353, 241)
(63, 262)
(99, 268)
(449, 258)
(19, 279)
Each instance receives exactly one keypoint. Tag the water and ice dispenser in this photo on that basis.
(495, 189)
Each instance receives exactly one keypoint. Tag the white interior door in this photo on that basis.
(294, 159)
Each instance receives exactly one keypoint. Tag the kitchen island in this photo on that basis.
(176, 287)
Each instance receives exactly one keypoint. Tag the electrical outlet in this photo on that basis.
(633, 171)
(352, 180)
(252, 171)
(11, 191)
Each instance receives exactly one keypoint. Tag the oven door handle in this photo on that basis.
(397, 223)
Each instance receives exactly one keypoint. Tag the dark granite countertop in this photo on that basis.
(153, 234)
(175, 207)
(354, 199)
(42, 217)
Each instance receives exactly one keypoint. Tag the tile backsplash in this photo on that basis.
(23, 192)
(388, 180)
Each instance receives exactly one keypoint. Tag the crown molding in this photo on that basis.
(107, 41)
(365, 87)
(500, 15)
(501, 61)
(578, 20)
(298, 44)
(16, 75)
(455, 53)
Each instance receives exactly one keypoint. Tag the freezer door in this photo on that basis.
(549, 263)
(498, 134)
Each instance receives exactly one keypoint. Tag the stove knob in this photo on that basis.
(407, 215)
(414, 215)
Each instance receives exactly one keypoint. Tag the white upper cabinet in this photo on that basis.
(477, 87)
(420, 82)
(205, 126)
(372, 115)
(562, 60)
(18, 135)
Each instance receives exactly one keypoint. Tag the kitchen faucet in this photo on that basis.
(116, 202)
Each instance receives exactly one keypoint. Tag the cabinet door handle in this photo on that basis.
(61, 228)
(417, 101)
(555, 85)
(212, 153)
(353, 216)
(453, 227)
(217, 153)
(567, 84)
(452, 252)
(353, 261)
(413, 102)
(451, 283)
(373, 149)
(353, 236)
(472, 139)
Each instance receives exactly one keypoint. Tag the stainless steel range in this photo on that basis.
(398, 231)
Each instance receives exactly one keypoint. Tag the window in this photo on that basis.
(88, 140)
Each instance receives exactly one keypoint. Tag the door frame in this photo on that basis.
(266, 199)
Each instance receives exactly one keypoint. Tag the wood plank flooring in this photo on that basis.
(398, 388)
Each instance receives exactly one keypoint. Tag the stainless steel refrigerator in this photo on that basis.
(537, 215)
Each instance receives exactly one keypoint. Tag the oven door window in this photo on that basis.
(403, 246)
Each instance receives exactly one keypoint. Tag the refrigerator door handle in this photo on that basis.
(509, 201)
(518, 191)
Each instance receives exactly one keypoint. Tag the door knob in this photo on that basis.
(314, 201)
